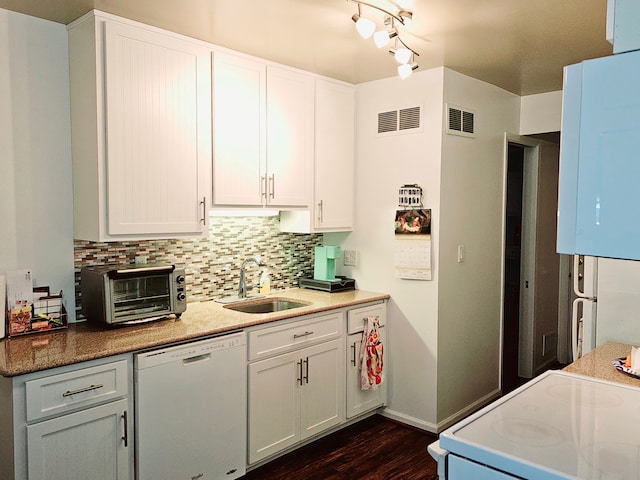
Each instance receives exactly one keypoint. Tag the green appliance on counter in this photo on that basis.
(324, 267)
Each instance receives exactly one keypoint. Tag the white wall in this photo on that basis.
(36, 218)
(618, 301)
(541, 113)
(470, 324)
(444, 334)
(383, 165)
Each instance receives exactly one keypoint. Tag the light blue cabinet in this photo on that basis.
(599, 197)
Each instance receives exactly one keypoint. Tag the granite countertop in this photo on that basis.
(84, 341)
(598, 363)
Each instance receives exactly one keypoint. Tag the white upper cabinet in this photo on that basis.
(289, 137)
(263, 134)
(141, 131)
(599, 168)
(240, 109)
(332, 207)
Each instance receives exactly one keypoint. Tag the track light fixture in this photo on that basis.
(382, 37)
(407, 69)
(366, 27)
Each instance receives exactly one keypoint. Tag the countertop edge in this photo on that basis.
(83, 341)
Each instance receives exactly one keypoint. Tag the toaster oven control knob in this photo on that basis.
(182, 297)
(180, 279)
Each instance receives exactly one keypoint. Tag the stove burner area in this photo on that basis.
(612, 460)
(528, 432)
(586, 395)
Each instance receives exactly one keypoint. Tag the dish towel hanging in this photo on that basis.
(371, 355)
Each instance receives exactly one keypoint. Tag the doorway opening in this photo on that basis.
(512, 261)
(531, 288)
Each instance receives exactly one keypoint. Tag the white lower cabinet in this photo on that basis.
(297, 394)
(71, 423)
(91, 443)
(299, 383)
(360, 401)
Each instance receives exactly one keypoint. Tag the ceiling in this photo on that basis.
(519, 45)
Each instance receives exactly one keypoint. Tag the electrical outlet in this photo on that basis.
(141, 259)
(349, 258)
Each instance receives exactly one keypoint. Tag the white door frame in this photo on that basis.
(528, 253)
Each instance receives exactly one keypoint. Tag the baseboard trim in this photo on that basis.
(409, 420)
(469, 409)
(447, 422)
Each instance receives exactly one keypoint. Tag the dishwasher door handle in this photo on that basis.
(197, 359)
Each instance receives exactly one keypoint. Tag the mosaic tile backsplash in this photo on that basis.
(213, 264)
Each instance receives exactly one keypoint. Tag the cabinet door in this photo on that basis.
(239, 161)
(91, 443)
(334, 156)
(158, 142)
(358, 400)
(274, 404)
(322, 403)
(289, 137)
(605, 173)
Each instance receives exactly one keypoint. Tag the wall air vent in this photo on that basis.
(460, 121)
(401, 120)
(388, 121)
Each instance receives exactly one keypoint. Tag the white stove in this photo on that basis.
(558, 426)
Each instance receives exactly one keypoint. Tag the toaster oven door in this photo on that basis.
(140, 297)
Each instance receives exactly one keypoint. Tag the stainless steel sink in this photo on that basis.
(269, 305)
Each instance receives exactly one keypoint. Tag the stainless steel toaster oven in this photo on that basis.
(124, 294)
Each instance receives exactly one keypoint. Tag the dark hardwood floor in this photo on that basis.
(375, 448)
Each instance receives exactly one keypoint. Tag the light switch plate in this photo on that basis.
(349, 258)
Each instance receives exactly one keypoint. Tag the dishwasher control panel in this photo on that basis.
(196, 351)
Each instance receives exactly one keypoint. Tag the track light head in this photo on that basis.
(383, 37)
(407, 69)
(364, 26)
(402, 54)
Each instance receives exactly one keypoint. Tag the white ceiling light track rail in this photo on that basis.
(366, 27)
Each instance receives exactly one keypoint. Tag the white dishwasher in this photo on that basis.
(190, 410)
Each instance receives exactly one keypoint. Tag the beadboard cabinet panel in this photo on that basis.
(239, 99)
(141, 131)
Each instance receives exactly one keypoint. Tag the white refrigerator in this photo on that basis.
(607, 303)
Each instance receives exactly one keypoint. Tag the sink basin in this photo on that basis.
(269, 305)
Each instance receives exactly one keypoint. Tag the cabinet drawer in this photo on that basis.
(74, 390)
(283, 338)
(356, 316)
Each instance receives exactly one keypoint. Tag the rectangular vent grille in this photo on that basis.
(460, 121)
(409, 118)
(402, 120)
(388, 121)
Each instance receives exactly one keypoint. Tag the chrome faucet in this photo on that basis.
(242, 285)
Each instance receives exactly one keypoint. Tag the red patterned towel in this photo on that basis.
(371, 353)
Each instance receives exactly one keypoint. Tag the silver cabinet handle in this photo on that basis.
(299, 364)
(306, 376)
(125, 437)
(299, 335)
(203, 220)
(353, 358)
(263, 187)
(320, 211)
(69, 393)
(272, 190)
